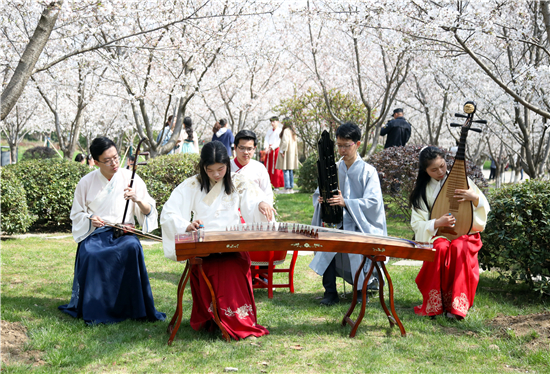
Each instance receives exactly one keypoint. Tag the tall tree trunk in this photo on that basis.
(30, 56)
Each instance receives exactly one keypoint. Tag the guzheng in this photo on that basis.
(283, 237)
(291, 237)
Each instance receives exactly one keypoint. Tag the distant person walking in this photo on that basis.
(223, 133)
(190, 141)
(397, 130)
(288, 155)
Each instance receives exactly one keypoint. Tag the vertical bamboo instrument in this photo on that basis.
(328, 180)
(445, 203)
(131, 228)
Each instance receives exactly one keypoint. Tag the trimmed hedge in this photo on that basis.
(164, 173)
(308, 175)
(398, 168)
(516, 240)
(49, 185)
(14, 215)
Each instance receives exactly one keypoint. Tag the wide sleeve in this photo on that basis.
(265, 186)
(250, 198)
(368, 211)
(316, 219)
(82, 226)
(422, 225)
(480, 211)
(196, 144)
(149, 222)
(276, 138)
(176, 216)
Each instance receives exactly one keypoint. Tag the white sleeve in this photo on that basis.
(480, 211)
(250, 199)
(149, 222)
(176, 217)
(82, 226)
(265, 186)
(422, 225)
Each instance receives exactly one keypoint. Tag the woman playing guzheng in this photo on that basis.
(214, 197)
(448, 285)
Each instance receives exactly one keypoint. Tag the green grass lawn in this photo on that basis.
(304, 337)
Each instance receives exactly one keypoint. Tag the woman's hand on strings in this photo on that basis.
(267, 210)
(193, 226)
(466, 195)
(448, 220)
(96, 221)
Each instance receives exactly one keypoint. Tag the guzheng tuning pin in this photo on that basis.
(317, 234)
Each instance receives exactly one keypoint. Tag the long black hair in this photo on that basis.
(214, 153)
(188, 126)
(427, 155)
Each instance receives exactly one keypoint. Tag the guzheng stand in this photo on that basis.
(302, 239)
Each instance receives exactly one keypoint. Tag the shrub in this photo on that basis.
(49, 186)
(164, 173)
(15, 215)
(307, 173)
(398, 168)
(516, 240)
(39, 153)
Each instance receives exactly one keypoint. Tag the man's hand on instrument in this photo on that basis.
(320, 199)
(466, 195)
(337, 200)
(193, 226)
(96, 221)
(267, 210)
(130, 194)
(448, 220)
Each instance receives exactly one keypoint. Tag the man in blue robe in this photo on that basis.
(361, 197)
(110, 279)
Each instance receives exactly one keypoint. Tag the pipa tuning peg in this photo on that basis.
(455, 125)
(482, 121)
(475, 129)
(146, 153)
(142, 163)
(460, 115)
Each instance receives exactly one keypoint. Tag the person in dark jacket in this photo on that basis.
(398, 130)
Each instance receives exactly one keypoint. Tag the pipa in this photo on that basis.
(445, 203)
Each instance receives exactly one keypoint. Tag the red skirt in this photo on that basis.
(229, 274)
(449, 283)
(275, 175)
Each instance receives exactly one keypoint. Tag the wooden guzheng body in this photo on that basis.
(274, 236)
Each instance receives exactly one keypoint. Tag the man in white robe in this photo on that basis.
(110, 281)
(245, 145)
(361, 197)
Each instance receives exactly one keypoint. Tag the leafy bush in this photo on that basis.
(49, 185)
(39, 153)
(14, 210)
(164, 173)
(307, 180)
(398, 168)
(516, 240)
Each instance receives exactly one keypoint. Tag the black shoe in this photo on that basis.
(360, 299)
(330, 299)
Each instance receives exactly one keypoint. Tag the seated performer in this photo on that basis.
(110, 279)
(448, 285)
(213, 198)
(361, 197)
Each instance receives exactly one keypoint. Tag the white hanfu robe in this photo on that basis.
(224, 210)
(257, 173)
(96, 195)
(364, 212)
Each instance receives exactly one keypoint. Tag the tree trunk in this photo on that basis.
(30, 56)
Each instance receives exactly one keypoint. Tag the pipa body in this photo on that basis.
(327, 174)
(445, 203)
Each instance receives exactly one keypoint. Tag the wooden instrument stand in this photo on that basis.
(192, 245)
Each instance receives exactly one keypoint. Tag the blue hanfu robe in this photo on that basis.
(364, 213)
(110, 281)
